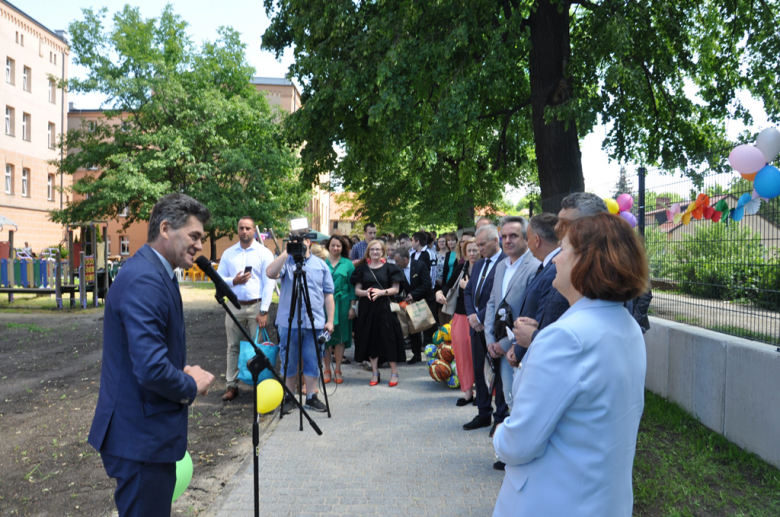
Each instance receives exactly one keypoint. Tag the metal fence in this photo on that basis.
(722, 275)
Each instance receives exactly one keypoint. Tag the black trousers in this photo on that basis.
(484, 396)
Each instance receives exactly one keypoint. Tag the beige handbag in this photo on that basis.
(451, 300)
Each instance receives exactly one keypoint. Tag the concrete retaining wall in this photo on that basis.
(731, 384)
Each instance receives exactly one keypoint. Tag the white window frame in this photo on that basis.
(9, 179)
(26, 78)
(52, 92)
(125, 211)
(9, 70)
(26, 126)
(124, 245)
(50, 187)
(25, 182)
(51, 135)
(9, 121)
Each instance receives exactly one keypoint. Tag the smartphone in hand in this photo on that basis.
(247, 269)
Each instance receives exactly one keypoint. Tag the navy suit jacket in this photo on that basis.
(478, 307)
(141, 411)
(539, 300)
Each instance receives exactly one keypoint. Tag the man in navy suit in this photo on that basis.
(543, 243)
(146, 386)
(476, 297)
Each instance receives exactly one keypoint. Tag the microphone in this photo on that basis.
(222, 288)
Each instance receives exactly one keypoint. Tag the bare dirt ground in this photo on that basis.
(49, 380)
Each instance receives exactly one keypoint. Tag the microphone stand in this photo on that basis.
(256, 366)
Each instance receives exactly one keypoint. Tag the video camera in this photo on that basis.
(295, 246)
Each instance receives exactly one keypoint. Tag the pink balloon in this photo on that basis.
(625, 202)
(747, 159)
(629, 218)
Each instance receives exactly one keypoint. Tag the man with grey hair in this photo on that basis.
(513, 276)
(146, 384)
(581, 204)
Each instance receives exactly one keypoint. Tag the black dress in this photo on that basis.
(377, 331)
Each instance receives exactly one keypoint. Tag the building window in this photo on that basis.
(124, 245)
(125, 211)
(25, 182)
(26, 79)
(52, 136)
(52, 92)
(91, 125)
(9, 179)
(335, 225)
(50, 58)
(17, 36)
(108, 246)
(21, 39)
(10, 120)
(50, 187)
(55, 58)
(10, 68)
(26, 126)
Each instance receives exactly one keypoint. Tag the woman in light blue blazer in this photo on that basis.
(569, 443)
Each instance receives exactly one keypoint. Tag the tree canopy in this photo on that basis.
(440, 104)
(180, 119)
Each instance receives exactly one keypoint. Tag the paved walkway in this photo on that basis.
(385, 451)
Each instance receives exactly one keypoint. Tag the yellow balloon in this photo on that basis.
(269, 395)
(612, 205)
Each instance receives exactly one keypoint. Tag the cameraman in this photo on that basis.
(320, 287)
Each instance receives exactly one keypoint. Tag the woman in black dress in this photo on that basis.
(377, 331)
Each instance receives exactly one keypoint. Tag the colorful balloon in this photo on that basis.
(749, 177)
(747, 159)
(767, 182)
(629, 218)
(183, 475)
(768, 142)
(269, 395)
(625, 202)
(612, 205)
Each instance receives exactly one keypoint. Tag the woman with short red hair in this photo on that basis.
(570, 440)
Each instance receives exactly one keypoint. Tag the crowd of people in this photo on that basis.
(546, 315)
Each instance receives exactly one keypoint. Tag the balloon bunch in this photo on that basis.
(622, 207)
(753, 163)
(698, 209)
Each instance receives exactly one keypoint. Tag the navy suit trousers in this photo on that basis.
(143, 489)
(484, 397)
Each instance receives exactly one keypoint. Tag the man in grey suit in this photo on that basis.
(513, 275)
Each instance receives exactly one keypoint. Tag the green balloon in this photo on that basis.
(183, 475)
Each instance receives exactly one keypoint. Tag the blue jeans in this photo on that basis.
(311, 366)
(507, 378)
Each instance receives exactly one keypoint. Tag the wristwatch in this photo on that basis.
(263, 313)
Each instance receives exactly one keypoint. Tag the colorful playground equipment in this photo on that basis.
(79, 273)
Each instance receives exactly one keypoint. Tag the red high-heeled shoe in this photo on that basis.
(393, 382)
(375, 382)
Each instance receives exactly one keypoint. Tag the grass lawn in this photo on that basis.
(684, 469)
(26, 303)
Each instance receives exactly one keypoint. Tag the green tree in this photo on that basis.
(181, 119)
(443, 102)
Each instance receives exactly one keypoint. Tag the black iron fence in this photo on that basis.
(714, 252)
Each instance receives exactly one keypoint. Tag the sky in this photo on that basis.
(249, 18)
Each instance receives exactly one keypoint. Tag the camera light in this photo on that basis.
(299, 224)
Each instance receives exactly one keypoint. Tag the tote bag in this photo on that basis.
(247, 352)
(451, 301)
(420, 317)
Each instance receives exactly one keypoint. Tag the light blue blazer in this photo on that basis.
(569, 443)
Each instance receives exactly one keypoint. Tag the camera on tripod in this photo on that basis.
(300, 231)
(296, 247)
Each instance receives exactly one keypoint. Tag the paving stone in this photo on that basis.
(385, 450)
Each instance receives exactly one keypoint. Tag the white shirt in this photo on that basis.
(407, 272)
(259, 286)
(550, 256)
(165, 263)
(510, 271)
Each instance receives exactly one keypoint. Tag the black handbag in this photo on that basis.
(504, 321)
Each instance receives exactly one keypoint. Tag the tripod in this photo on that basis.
(256, 366)
(300, 298)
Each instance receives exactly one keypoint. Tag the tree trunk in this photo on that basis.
(467, 211)
(213, 242)
(557, 146)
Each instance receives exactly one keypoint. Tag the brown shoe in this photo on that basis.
(230, 394)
